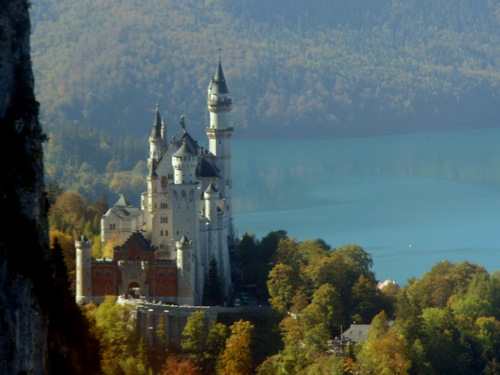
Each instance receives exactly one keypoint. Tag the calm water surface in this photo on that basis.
(411, 201)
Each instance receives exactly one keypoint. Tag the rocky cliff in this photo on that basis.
(23, 241)
(42, 330)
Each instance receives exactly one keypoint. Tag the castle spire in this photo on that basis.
(218, 84)
(157, 141)
(156, 133)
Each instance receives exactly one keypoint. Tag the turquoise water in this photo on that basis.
(411, 201)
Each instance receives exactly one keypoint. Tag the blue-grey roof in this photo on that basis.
(211, 189)
(157, 124)
(183, 151)
(218, 83)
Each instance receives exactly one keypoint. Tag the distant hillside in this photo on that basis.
(294, 68)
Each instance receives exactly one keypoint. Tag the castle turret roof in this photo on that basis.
(218, 83)
(122, 202)
(207, 168)
(183, 151)
(211, 189)
(124, 209)
(157, 124)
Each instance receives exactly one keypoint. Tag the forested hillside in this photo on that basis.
(294, 69)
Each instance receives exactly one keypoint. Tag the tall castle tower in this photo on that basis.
(219, 134)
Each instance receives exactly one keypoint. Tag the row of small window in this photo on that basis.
(107, 288)
(161, 274)
(98, 273)
(171, 274)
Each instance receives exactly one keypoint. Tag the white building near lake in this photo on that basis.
(185, 218)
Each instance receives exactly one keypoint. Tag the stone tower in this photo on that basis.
(219, 135)
(83, 270)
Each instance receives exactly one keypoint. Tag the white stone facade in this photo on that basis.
(186, 212)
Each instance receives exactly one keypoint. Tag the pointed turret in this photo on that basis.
(218, 84)
(157, 140)
(156, 132)
(218, 99)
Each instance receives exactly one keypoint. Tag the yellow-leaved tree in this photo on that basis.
(236, 358)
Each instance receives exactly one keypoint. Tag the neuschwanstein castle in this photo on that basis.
(184, 223)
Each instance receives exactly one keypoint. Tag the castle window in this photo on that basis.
(107, 274)
(112, 226)
(171, 275)
(161, 288)
(161, 273)
(97, 273)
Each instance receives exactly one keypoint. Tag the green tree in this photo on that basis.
(194, 337)
(236, 358)
(119, 340)
(288, 253)
(384, 352)
(316, 332)
(216, 341)
(282, 285)
(212, 294)
(330, 303)
(201, 347)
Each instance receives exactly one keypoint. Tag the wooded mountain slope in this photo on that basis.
(294, 69)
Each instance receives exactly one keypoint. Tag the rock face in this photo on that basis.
(23, 241)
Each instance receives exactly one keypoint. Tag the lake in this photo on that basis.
(409, 200)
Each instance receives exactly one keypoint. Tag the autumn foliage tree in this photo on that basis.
(202, 345)
(236, 359)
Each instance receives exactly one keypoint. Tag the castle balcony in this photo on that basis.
(220, 102)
